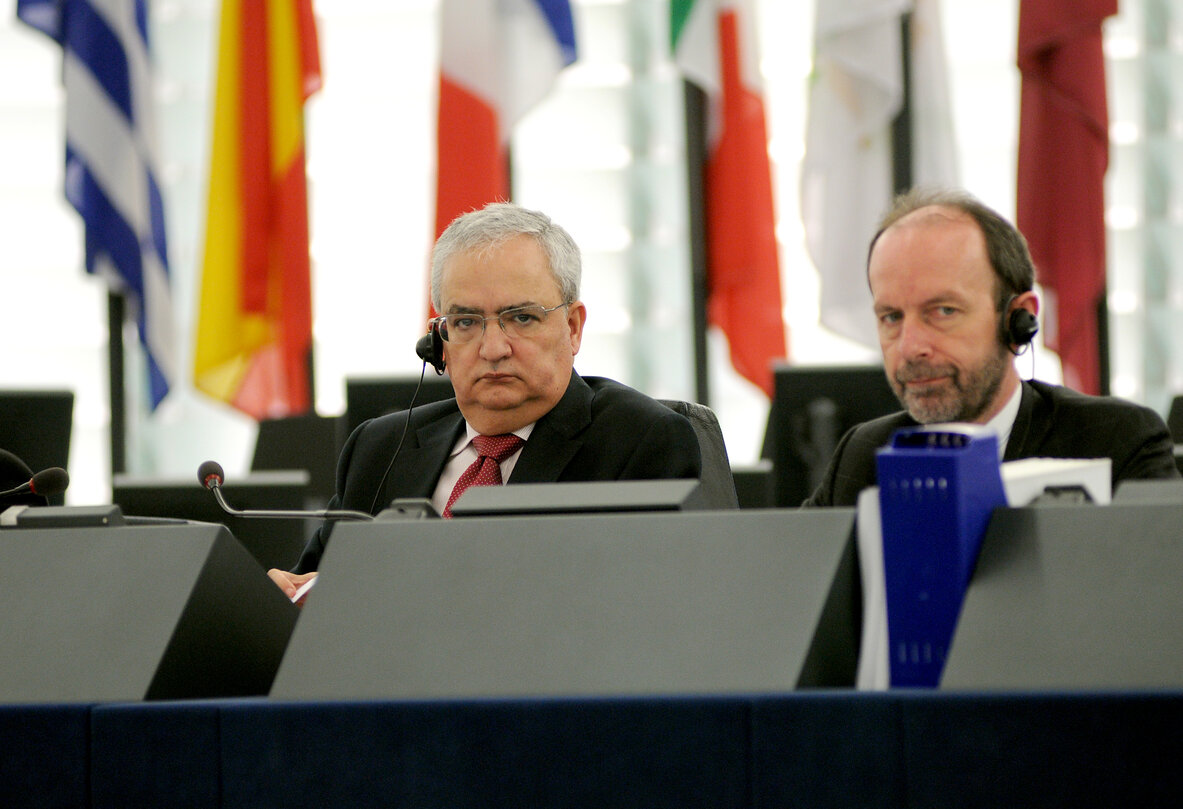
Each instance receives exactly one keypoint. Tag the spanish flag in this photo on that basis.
(254, 327)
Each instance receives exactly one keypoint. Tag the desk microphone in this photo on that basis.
(211, 476)
(47, 483)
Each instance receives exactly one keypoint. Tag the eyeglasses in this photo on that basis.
(524, 321)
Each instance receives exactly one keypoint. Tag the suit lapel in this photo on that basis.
(419, 465)
(556, 437)
(1023, 440)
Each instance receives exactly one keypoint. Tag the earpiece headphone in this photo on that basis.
(430, 348)
(1018, 328)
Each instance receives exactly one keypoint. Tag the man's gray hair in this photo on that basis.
(494, 224)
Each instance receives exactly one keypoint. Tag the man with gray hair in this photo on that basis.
(505, 281)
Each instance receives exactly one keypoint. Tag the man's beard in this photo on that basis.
(960, 395)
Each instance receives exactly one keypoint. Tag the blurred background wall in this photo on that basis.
(603, 154)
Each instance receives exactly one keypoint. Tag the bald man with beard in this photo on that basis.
(952, 285)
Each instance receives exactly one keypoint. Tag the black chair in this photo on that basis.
(1175, 420)
(718, 486)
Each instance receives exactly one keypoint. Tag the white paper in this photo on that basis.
(303, 591)
(1028, 478)
(873, 672)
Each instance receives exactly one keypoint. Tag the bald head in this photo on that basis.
(1006, 249)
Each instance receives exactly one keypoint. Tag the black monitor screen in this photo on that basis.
(370, 397)
(812, 407)
(274, 542)
(35, 426)
(306, 441)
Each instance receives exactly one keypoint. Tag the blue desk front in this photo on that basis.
(809, 749)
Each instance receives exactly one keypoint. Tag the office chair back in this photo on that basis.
(718, 485)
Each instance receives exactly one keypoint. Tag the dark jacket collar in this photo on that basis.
(552, 444)
(557, 436)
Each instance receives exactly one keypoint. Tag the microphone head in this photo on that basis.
(50, 482)
(210, 474)
(16, 487)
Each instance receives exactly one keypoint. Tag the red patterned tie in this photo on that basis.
(486, 469)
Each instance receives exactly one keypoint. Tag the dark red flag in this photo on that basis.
(1063, 154)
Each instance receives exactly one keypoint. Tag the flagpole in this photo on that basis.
(901, 125)
(116, 309)
(696, 154)
(1103, 345)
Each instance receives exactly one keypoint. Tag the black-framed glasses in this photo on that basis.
(522, 321)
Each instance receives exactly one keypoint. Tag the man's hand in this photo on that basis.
(290, 582)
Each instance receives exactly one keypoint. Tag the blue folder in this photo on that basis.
(938, 486)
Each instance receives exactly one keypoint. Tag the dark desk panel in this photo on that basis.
(919, 749)
(643, 753)
(818, 749)
(168, 758)
(44, 760)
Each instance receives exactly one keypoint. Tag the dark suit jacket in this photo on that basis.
(599, 430)
(1052, 422)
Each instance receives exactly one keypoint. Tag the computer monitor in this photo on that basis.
(307, 441)
(273, 542)
(35, 426)
(754, 484)
(369, 397)
(812, 407)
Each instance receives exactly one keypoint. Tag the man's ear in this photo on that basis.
(1020, 324)
(1029, 301)
(576, 317)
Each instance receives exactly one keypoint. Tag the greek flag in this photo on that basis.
(110, 159)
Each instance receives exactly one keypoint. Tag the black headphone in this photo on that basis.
(1018, 327)
(430, 348)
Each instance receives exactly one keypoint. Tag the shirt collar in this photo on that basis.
(1004, 421)
(469, 433)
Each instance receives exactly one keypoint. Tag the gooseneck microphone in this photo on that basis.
(47, 483)
(211, 477)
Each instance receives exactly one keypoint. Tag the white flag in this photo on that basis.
(856, 91)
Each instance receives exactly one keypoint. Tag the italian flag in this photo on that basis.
(714, 47)
(254, 326)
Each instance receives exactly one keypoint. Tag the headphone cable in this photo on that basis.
(403, 437)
